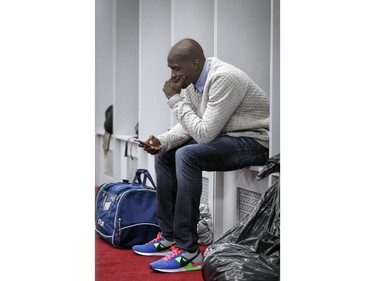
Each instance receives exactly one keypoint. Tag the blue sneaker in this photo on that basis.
(156, 247)
(178, 260)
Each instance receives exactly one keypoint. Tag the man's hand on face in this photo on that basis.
(173, 86)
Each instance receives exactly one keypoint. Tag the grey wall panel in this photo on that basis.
(127, 49)
(103, 60)
(194, 19)
(243, 37)
(155, 42)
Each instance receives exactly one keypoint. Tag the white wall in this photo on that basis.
(243, 37)
(126, 66)
(194, 19)
(155, 41)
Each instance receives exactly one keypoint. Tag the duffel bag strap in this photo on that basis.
(147, 175)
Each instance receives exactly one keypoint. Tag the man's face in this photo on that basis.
(181, 68)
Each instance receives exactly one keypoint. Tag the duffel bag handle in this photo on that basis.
(147, 175)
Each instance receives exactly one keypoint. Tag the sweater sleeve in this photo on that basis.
(176, 136)
(224, 96)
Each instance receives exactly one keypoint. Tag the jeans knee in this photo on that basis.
(164, 160)
(184, 155)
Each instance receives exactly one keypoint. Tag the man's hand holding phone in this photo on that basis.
(142, 143)
(152, 145)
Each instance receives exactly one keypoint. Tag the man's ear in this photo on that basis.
(195, 64)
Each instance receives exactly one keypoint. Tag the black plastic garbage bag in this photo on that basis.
(251, 249)
(272, 166)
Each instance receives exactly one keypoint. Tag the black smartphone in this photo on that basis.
(142, 142)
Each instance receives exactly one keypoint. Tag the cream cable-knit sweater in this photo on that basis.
(231, 103)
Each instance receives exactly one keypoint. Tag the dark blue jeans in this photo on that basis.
(179, 181)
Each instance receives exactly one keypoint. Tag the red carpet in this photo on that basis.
(112, 264)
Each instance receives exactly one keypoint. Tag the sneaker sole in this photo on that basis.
(181, 269)
(159, 254)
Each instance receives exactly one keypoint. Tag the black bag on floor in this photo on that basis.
(251, 249)
(126, 212)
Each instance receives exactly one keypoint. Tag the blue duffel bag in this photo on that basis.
(126, 212)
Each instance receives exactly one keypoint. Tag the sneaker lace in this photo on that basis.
(158, 237)
(174, 252)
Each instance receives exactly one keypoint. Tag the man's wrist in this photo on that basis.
(173, 100)
(171, 95)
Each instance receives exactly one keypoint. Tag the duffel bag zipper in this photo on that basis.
(119, 226)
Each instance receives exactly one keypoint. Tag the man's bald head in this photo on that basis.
(186, 49)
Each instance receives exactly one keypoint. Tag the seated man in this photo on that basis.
(223, 125)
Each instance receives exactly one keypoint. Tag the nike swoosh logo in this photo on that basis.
(184, 261)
